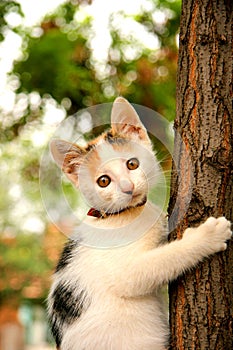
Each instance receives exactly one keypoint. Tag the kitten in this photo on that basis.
(111, 299)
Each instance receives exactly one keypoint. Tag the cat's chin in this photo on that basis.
(137, 199)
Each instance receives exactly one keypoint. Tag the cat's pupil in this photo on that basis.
(132, 163)
(103, 181)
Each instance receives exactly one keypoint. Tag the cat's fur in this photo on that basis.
(110, 299)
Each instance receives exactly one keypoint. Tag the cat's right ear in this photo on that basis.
(125, 121)
(68, 157)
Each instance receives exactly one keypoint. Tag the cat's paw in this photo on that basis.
(213, 233)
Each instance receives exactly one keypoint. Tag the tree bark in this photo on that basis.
(201, 301)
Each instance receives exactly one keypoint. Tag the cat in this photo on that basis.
(111, 298)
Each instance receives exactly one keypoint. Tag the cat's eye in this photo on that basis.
(103, 181)
(132, 163)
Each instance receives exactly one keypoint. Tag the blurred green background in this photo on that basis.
(53, 64)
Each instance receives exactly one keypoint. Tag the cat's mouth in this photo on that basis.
(135, 196)
(137, 200)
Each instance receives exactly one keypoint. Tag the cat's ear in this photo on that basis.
(68, 157)
(125, 120)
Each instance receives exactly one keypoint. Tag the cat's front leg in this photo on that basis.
(160, 265)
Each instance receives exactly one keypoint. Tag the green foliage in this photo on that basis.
(61, 63)
(7, 7)
(57, 66)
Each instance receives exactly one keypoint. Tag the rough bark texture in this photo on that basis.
(201, 301)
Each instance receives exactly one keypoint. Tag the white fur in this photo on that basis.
(124, 285)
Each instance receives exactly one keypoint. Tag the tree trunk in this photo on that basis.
(201, 301)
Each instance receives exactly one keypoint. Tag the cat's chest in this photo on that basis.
(100, 264)
(139, 228)
(96, 267)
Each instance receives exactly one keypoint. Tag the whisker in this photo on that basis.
(160, 176)
(109, 208)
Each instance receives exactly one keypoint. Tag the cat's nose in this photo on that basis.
(126, 186)
(128, 192)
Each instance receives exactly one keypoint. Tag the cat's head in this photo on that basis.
(115, 170)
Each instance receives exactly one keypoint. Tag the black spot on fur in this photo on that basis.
(67, 306)
(66, 255)
(114, 139)
(56, 330)
(89, 147)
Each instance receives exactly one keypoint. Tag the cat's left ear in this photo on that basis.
(68, 157)
(125, 120)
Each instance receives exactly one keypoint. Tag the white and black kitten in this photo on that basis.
(110, 299)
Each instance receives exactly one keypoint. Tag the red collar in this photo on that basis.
(94, 212)
(101, 214)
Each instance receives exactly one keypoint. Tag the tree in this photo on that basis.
(201, 301)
